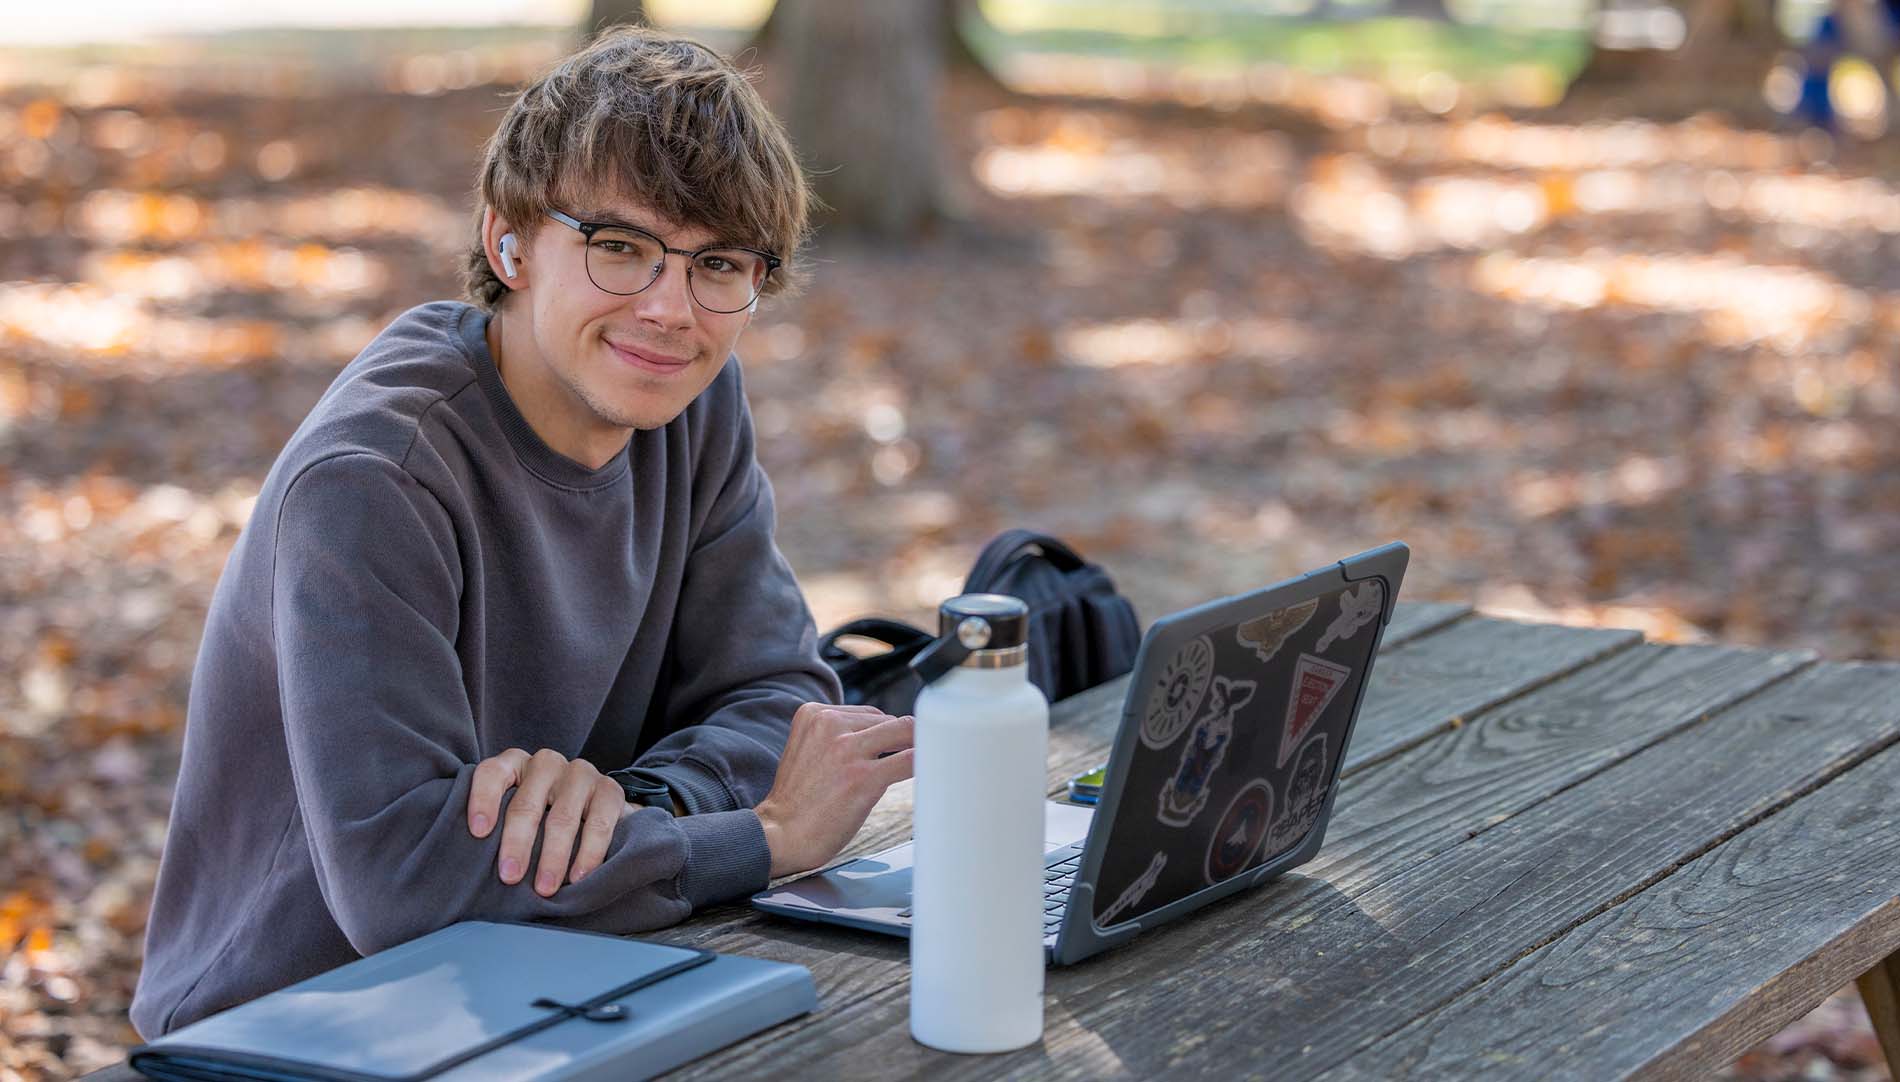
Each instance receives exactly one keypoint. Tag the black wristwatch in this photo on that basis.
(642, 787)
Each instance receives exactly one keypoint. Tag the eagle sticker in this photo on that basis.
(1265, 635)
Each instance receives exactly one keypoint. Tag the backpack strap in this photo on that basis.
(893, 633)
(1008, 545)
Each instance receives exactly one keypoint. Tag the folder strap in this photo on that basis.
(611, 1012)
(602, 1005)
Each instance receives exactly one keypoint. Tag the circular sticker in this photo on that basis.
(1241, 829)
(1179, 693)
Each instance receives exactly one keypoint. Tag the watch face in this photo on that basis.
(641, 791)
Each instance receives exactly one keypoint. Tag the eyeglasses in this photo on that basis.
(624, 260)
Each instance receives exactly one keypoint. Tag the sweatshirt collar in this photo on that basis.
(533, 452)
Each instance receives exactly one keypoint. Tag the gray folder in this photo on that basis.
(483, 1002)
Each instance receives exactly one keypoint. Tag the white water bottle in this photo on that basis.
(976, 954)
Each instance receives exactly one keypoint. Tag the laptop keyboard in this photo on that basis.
(1057, 878)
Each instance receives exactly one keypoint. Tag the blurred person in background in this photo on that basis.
(1868, 29)
(508, 635)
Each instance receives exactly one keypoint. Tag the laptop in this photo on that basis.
(1221, 777)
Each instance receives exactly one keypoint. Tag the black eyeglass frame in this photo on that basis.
(588, 229)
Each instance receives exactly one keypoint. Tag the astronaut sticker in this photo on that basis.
(1305, 796)
(1136, 892)
(1315, 682)
(1357, 608)
(1182, 685)
(1241, 829)
(1268, 633)
(1184, 795)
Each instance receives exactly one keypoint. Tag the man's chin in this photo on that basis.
(643, 418)
(637, 404)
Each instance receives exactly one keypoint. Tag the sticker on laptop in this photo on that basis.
(1315, 682)
(1305, 796)
(1265, 635)
(1135, 893)
(1178, 694)
(1185, 794)
(1357, 608)
(1242, 827)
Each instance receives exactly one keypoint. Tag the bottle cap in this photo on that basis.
(988, 631)
(984, 621)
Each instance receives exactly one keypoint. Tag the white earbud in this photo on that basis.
(754, 306)
(507, 246)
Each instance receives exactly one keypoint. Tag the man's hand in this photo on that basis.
(829, 778)
(582, 800)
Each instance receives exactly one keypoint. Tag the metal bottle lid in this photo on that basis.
(979, 631)
(985, 621)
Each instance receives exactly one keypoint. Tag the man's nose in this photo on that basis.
(668, 302)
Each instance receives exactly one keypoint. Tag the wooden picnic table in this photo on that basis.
(1557, 852)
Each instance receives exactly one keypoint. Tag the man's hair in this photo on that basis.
(643, 113)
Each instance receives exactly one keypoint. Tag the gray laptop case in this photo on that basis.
(1227, 760)
(485, 1001)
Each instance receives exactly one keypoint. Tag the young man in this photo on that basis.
(516, 544)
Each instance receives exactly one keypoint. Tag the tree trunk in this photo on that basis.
(864, 78)
(1429, 10)
(766, 37)
(1722, 40)
(952, 16)
(602, 14)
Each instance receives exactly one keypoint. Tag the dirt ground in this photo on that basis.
(1627, 372)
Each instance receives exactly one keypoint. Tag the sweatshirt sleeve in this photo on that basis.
(744, 649)
(383, 746)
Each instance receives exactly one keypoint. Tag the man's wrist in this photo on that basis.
(774, 839)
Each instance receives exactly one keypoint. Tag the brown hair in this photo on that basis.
(656, 116)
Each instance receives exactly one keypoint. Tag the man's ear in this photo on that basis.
(509, 266)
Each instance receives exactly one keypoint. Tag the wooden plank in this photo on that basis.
(1244, 987)
(1698, 968)
(1401, 811)
(1424, 687)
(1880, 992)
(1412, 619)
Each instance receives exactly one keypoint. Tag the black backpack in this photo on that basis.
(1081, 632)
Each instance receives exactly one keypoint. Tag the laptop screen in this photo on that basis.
(1239, 746)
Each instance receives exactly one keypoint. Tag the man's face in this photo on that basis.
(634, 361)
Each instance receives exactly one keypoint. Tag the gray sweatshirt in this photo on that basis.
(425, 583)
